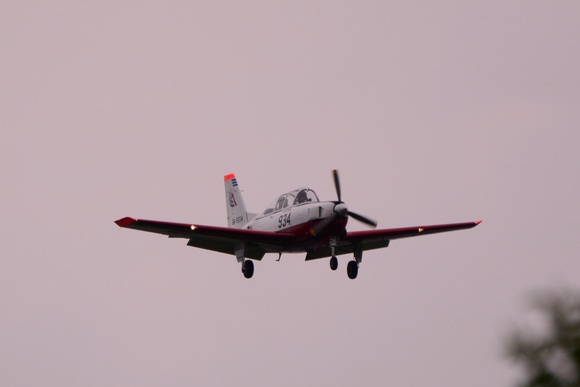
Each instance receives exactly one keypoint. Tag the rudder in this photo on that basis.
(235, 206)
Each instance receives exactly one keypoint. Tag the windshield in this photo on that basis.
(292, 198)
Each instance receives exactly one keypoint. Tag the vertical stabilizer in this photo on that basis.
(237, 214)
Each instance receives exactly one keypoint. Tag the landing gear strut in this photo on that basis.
(333, 260)
(333, 263)
(248, 269)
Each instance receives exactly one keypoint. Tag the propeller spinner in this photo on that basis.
(340, 210)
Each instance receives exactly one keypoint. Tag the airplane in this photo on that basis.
(295, 222)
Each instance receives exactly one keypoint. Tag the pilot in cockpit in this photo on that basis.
(301, 197)
(281, 203)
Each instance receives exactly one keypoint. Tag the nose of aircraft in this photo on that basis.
(340, 209)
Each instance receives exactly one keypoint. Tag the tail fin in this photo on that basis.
(236, 209)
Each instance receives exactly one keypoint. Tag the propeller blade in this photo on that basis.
(320, 226)
(336, 184)
(363, 219)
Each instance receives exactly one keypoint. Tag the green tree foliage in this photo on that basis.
(551, 358)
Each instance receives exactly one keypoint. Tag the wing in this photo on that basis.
(220, 239)
(376, 239)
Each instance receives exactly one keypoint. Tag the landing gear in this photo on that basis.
(333, 260)
(333, 263)
(352, 269)
(248, 269)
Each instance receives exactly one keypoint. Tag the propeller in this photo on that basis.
(336, 183)
(340, 209)
(362, 219)
(359, 217)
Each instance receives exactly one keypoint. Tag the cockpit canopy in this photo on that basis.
(292, 198)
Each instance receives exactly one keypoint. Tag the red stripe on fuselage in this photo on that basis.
(305, 240)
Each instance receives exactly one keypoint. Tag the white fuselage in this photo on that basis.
(292, 218)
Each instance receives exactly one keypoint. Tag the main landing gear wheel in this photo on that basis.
(333, 263)
(248, 269)
(352, 269)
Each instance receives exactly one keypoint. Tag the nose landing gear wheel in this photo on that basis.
(333, 263)
(248, 269)
(352, 269)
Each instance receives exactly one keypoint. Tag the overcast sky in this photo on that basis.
(433, 112)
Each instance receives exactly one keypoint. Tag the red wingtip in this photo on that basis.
(127, 221)
(229, 177)
(478, 221)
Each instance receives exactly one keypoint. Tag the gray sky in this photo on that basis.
(432, 112)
